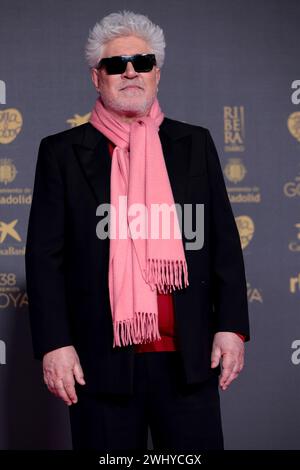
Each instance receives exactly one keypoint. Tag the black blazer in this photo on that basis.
(67, 265)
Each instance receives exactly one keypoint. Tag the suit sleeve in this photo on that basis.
(44, 257)
(228, 271)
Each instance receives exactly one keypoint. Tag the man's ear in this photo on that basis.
(157, 74)
(95, 78)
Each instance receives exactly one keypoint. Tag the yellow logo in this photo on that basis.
(293, 124)
(77, 120)
(11, 122)
(8, 171)
(235, 170)
(8, 229)
(245, 227)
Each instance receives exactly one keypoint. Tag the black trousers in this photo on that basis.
(181, 417)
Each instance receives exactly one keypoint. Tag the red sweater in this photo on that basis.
(166, 319)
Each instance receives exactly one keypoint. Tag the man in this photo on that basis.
(132, 330)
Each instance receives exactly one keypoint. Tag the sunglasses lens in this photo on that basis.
(117, 64)
(143, 63)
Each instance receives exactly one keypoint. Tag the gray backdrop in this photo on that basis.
(230, 66)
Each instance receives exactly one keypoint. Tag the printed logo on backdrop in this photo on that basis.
(293, 124)
(294, 245)
(11, 122)
(8, 171)
(295, 284)
(246, 229)
(235, 169)
(2, 352)
(295, 357)
(234, 128)
(11, 295)
(254, 294)
(10, 239)
(2, 92)
(77, 119)
(10, 126)
(9, 194)
(292, 188)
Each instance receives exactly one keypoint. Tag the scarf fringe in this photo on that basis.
(142, 328)
(166, 275)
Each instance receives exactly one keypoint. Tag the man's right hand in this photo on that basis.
(60, 366)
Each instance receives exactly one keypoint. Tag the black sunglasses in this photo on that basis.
(117, 64)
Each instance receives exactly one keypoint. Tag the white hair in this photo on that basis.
(122, 24)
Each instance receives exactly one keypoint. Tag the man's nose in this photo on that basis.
(129, 71)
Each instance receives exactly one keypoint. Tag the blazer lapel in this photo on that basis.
(94, 159)
(176, 145)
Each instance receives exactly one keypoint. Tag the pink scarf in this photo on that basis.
(139, 266)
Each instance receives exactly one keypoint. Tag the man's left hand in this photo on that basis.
(230, 348)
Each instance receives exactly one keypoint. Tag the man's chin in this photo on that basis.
(132, 110)
(129, 107)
